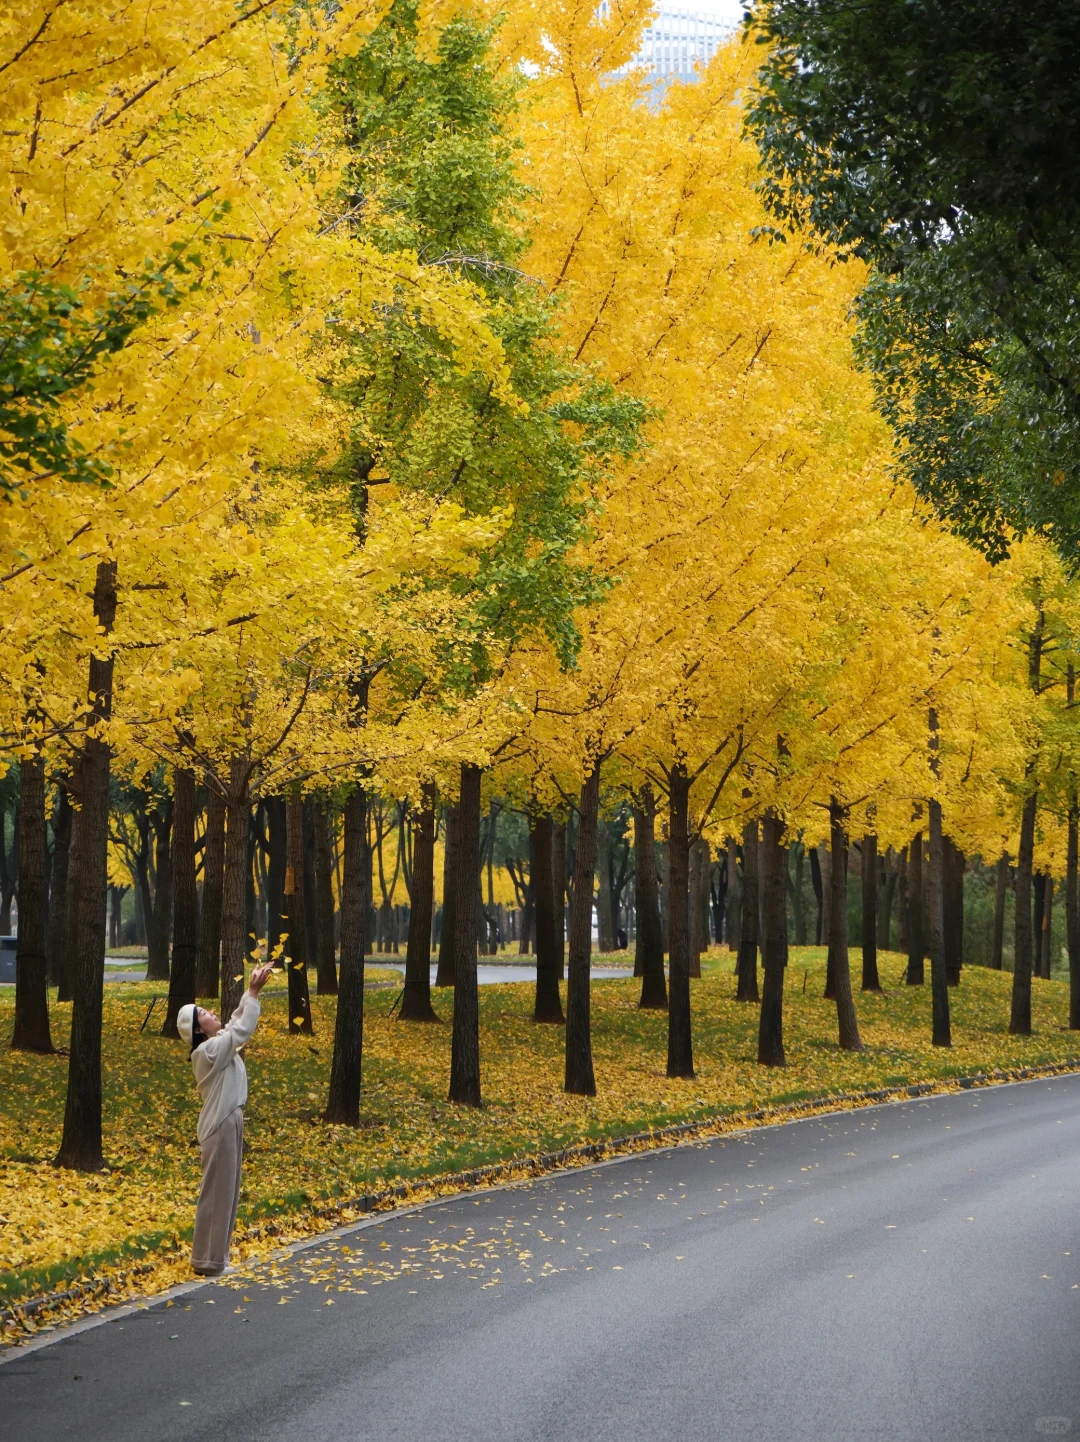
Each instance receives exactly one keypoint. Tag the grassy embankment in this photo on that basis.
(58, 1226)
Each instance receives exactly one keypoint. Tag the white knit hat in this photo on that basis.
(185, 1020)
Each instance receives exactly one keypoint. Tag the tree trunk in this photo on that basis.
(548, 1003)
(528, 919)
(774, 942)
(58, 884)
(747, 987)
(416, 998)
(1048, 928)
(888, 871)
(234, 939)
(343, 1102)
(1020, 1019)
(579, 1077)
(80, 1147)
(31, 1031)
(680, 1057)
(916, 974)
(839, 962)
(558, 871)
(159, 919)
(953, 877)
(444, 976)
(311, 902)
(1072, 910)
(185, 947)
(296, 909)
(465, 1043)
(1001, 885)
(326, 983)
(935, 906)
(902, 901)
(819, 893)
(649, 944)
(733, 906)
(208, 980)
(870, 979)
(694, 903)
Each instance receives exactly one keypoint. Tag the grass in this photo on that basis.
(60, 1226)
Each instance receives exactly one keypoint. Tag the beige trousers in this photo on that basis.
(219, 1195)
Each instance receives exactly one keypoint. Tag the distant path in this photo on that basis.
(906, 1273)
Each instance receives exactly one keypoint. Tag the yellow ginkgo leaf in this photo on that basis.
(298, 1021)
(239, 978)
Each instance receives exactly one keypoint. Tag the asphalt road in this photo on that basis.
(904, 1272)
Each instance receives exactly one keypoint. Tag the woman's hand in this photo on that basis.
(259, 978)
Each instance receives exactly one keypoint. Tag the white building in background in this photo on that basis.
(676, 42)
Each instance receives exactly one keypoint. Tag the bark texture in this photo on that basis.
(343, 1102)
(774, 942)
(579, 1077)
(680, 1058)
(465, 1043)
(1020, 1016)
(935, 916)
(80, 1146)
(847, 1021)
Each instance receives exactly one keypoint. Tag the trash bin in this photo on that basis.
(8, 947)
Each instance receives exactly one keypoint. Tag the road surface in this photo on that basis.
(909, 1273)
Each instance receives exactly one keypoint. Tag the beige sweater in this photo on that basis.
(219, 1071)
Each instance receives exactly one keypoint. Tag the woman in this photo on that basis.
(222, 1082)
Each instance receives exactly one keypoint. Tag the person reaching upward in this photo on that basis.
(221, 1078)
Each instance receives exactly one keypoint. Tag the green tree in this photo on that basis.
(939, 143)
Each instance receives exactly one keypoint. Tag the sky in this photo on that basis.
(730, 11)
